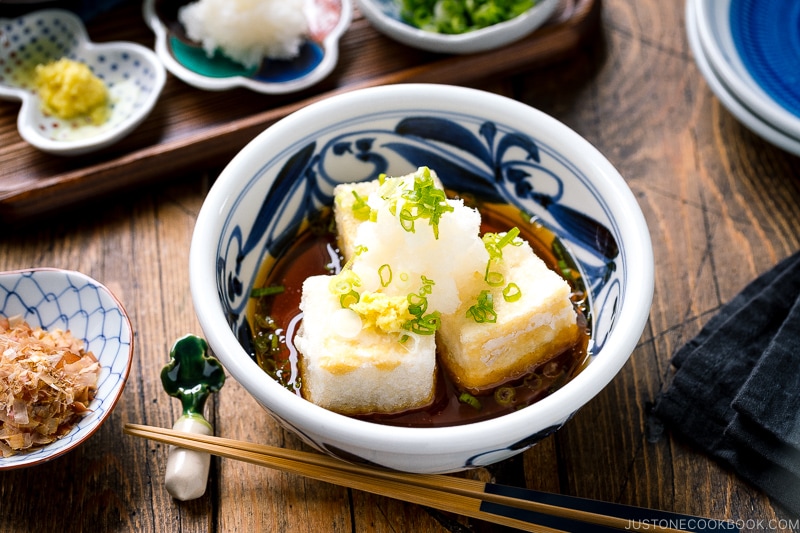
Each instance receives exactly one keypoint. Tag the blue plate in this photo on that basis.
(753, 48)
(767, 37)
(728, 99)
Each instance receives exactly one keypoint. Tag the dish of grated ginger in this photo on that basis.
(47, 381)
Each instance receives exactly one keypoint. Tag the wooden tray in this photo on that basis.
(191, 129)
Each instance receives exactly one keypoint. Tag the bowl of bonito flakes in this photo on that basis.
(66, 346)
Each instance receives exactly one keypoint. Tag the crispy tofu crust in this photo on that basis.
(535, 328)
(371, 372)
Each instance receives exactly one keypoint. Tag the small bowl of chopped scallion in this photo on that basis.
(457, 27)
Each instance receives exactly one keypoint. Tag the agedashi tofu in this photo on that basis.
(359, 370)
(422, 291)
(541, 323)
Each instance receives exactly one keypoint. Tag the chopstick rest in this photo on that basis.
(736, 391)
(191, 375)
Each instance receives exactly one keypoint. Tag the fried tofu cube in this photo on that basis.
(539, 325)
(355, 370)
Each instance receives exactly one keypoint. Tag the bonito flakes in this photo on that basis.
(47, 380)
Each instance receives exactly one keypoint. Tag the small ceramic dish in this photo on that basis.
(754, 49)
(385, 17)
(132, 73)
(52, 298)
(186, 58)
(728, 96)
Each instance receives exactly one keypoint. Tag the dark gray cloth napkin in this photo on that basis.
(736, 390)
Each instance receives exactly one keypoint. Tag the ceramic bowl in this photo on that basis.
(52, 298)
(384, 15)
(186, 59)
(728, 96)
(755, 53)
(132, 73)
(480, 144)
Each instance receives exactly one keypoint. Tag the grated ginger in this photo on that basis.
(70, 90)
(47, 380)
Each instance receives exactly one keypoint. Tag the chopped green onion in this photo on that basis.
(422, 324)
(424, 201)
(427, 284)
(457, 16)
(417, 304)
(494, 279)
(483, 310)
(407, 219)
(509, 237)
(343, 284)
(494, 242)
(505, 395)
(348, 299)
(361, 210)
(533, 382)
(470, 400)
(512, 292)
(385, 274)
(341, 287)
(266, 291)
(267, 343)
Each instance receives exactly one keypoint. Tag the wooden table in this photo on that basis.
(722, 206)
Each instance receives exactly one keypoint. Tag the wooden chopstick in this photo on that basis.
(447, 493)
(314, 466)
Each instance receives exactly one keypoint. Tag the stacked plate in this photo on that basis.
(749, 53)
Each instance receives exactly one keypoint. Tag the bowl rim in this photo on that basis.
(22, 463)
(481, 40)
(548, 411)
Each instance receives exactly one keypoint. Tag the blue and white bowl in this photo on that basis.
(132, 73)
(480, 143)
(51, 298)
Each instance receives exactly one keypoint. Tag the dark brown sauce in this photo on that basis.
(315, 252)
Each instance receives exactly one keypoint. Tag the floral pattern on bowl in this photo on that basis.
(186, 59)
(481, 145)
(51, 298)
(483, 159)
(132, 73)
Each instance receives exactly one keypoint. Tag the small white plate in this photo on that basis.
(714, 32)
(385, 16)
(132, 73)
(186, 59)
(726, 96)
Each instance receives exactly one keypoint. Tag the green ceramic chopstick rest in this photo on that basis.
(191, 376)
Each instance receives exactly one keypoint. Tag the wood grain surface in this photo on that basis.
(722, 206)
(190, 129)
